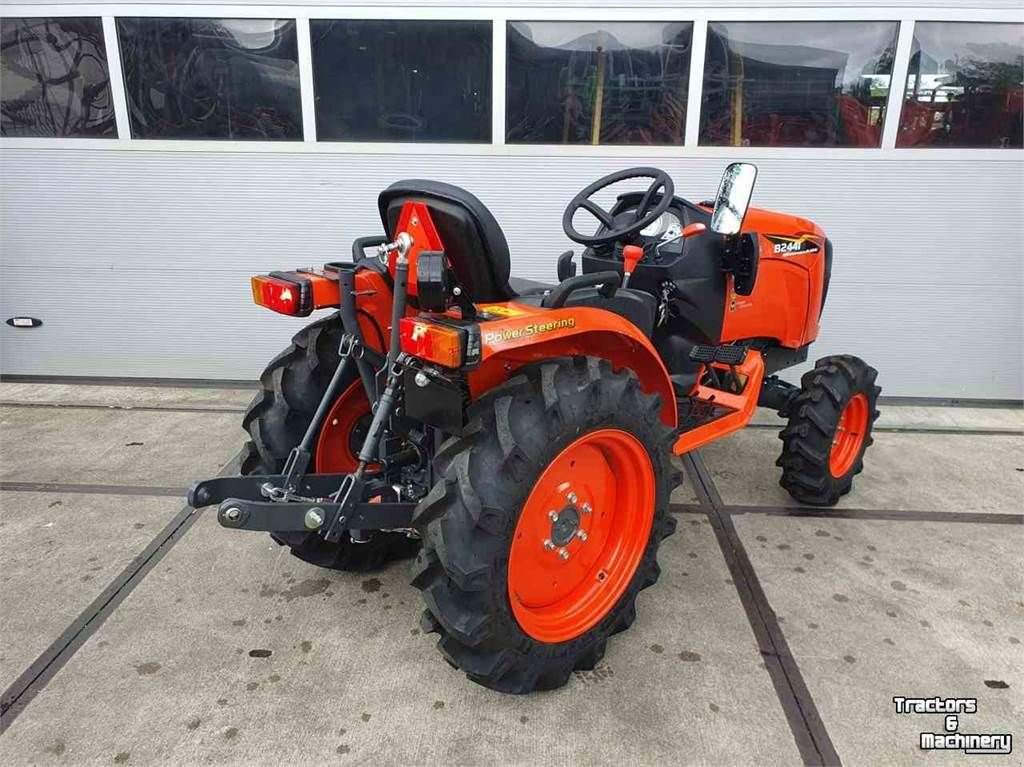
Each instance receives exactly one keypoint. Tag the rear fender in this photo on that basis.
(525, 334)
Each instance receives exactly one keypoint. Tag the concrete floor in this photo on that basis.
(221, 648)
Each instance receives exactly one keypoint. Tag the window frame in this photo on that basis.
(109, 73)
(279, 142)
(928, 19)
(888, 103)
(597, 22)
(332, 17)
(499, 16)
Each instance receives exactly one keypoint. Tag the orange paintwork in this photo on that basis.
(786, 299)
(849, 435)
(742, 405)
(560, 589)
(373, 302)
(520, 334)
(784, 305)
(334, 452)
(325, 291)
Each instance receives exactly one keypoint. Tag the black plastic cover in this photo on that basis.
(441, 403)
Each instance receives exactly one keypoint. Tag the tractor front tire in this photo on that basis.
(291, 387)
(545, 523)
(830, 423)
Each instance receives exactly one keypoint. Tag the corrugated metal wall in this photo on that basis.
(138, 259)
(138, 262)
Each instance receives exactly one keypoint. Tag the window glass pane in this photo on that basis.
(964, 86)
(402, 80)
(54, 80)
(796, 83)
(211, 78)
(574, 82)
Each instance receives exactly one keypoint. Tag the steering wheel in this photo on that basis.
(626, 224)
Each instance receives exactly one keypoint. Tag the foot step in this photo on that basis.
(695, 412)
(726, 354)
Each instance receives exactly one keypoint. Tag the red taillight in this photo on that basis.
(282, 296)
(432, 342)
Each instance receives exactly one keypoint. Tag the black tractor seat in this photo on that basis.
(473, 242)
(478, 252)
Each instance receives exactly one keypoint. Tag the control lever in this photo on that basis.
(631, 255)
(688, 231)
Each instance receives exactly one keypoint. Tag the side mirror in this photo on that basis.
(733, 198)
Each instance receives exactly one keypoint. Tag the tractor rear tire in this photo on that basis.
(491, 493)
(830, 423)
(291, 387)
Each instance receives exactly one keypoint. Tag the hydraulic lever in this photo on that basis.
(631, 256)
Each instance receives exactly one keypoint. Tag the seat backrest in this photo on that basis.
(472, 240)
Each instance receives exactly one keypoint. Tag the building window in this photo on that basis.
(211, 78)
(964, 86)
(575, 82)
(796, 83)
(402, 80)
(54, 78)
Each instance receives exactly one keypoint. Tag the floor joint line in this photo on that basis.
(969, 431)
(121, 408)
(87, 489)
(888, 515)
(34, 679)
(809, 732)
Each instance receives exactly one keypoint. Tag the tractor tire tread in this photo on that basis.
(467, 517)
(814, 414)
(291, 387)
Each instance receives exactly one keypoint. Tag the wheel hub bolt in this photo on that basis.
(553, 516)
(571, 497)
(582, 535)
(586, 508)
(549, 544)
(314, 518)
(563, 553)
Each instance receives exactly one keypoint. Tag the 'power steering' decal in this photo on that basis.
(525, 331)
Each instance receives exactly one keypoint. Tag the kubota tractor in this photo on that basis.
(520, 435)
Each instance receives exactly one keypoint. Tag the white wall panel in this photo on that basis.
(138, 261)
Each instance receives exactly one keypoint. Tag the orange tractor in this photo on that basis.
(517, 437)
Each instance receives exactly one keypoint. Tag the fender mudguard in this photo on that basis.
(513, 335)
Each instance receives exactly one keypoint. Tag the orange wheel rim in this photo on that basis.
(337, 447)
(581, 535)
(849, 435)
